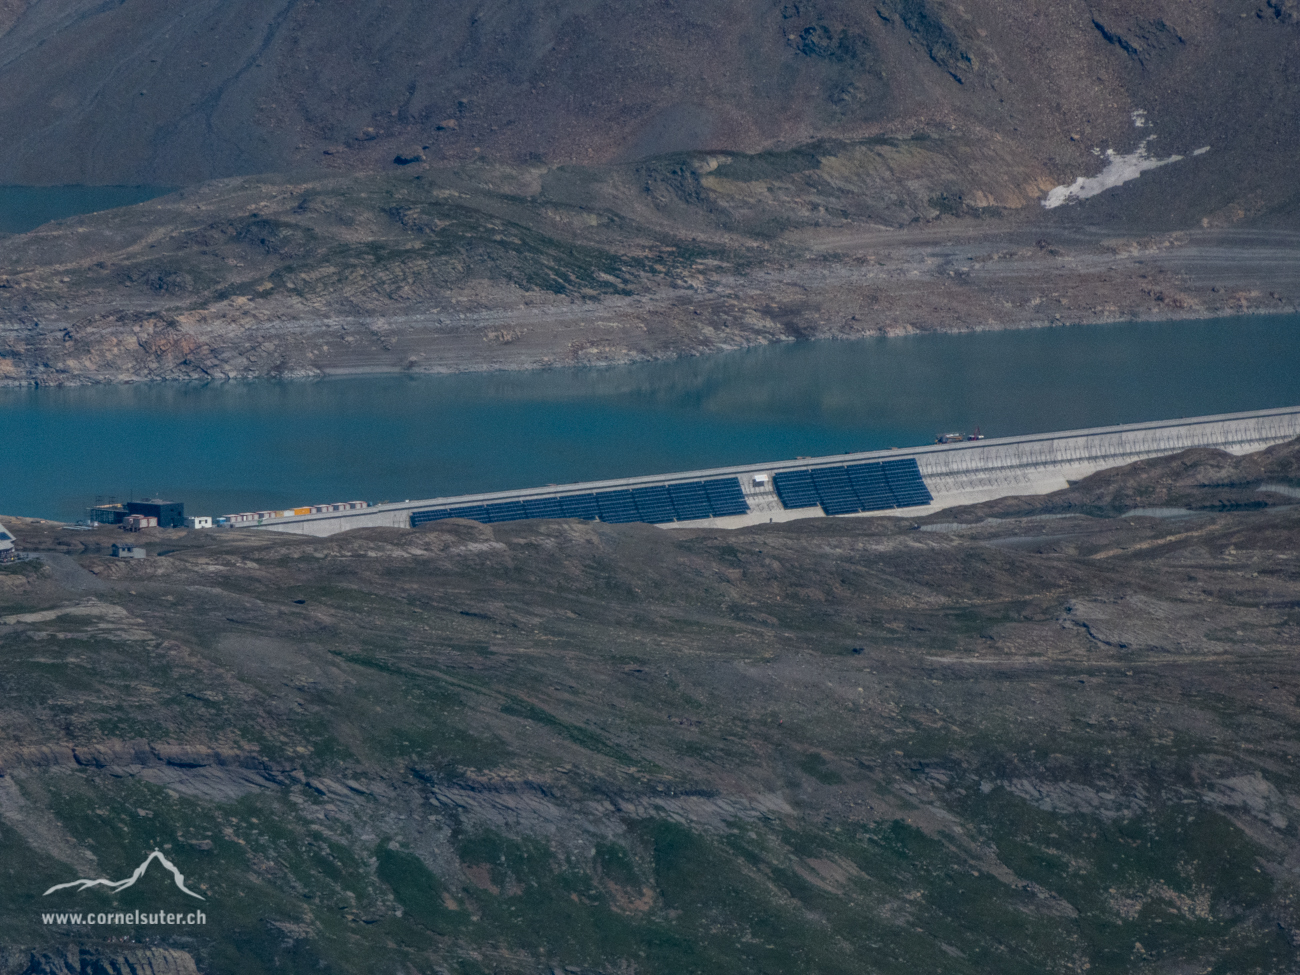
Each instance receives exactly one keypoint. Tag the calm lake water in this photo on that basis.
(23, 208)
(241, 447)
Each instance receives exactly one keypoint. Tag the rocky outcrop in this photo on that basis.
(107, 961)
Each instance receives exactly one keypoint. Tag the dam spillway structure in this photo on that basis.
(910, 482)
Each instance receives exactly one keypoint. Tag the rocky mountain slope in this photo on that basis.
(488, 266)
(143, 91)
(1019, 745)
(528, 184)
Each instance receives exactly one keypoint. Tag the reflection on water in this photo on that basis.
(239, 447)
(24, 208)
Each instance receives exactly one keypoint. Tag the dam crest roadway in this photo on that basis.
(910, 482)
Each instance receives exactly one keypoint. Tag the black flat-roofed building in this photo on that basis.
(170, 514)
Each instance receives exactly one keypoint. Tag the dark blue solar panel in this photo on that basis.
(905, 481)
(795, 489)
(908, 497)
(725, 497)
(690, 501)
(506, 511)
(436, 514)
(903, 465)
(617, 507)
(836, 493)
(872, 489)
(474, 512)
(579, 506)
(653, 504)
(543, 508)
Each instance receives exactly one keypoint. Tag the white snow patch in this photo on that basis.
(1119, 169)
(1201, 151)
(1139, 116)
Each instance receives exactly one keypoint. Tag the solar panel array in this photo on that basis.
(857, 487)
(655, 504)
(795, 489)
(905, 481)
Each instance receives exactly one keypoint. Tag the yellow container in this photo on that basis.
(302, 511)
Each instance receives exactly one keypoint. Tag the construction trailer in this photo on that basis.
(248, 519)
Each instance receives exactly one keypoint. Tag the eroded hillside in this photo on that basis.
(487, 266)
(144, 91)
(517, 185)
(847, 745)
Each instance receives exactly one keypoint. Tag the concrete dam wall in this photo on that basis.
(900, 482)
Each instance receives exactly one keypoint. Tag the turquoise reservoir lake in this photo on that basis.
(24, 208)
(246, 446)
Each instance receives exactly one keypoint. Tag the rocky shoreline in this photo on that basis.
(972, 282)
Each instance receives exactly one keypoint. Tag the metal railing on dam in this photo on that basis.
(952, 474)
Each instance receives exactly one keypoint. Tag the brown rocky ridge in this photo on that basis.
(492, 267)
(1042, 734)
(525, 185)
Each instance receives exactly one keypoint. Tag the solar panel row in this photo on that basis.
(543, 508)
(795, 489)
(905, 481)
(690, 501)
(617, 507)
(579, 506)
(859, 487)
(869, 484)
(476, 511)
(655, 504)
(836, 493)
(437, 514)
(725, 497)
